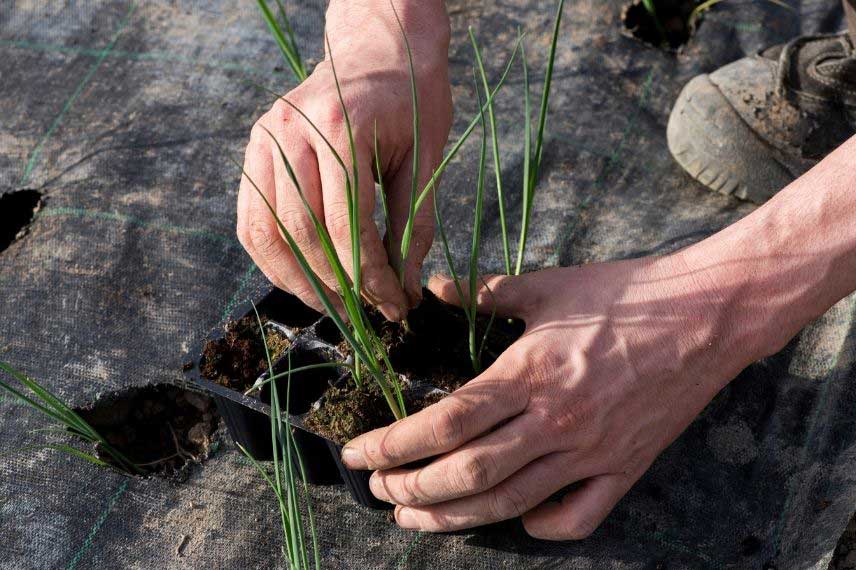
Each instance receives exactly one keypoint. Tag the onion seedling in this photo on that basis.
(286, 476)
(48, 404)
(284, 39)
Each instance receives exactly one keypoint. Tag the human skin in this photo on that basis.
(372, 67)
(616, 361)
(617, 358)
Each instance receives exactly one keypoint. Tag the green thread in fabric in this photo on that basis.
(99, 522)
(162, 226)
(242, 284)
(137, 56)
(102, 54)
(406, 556)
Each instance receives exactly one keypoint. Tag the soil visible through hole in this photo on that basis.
(17, 210)
(160, 428)
(670, 27)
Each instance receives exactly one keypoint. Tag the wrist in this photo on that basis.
(425, 23)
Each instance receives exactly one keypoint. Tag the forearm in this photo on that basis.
(788, 262)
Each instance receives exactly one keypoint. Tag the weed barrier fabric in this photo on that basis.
(124, 117)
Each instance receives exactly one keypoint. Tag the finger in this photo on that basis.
(398, 196)
(468, 470)
(291, 210)
(254, 219)
(379, 280)
(510, 295)
(258, 230)
(580, 512)
(512, 498)
(453, 421)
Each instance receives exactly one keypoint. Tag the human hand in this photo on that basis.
(372, 67)
(617, 359)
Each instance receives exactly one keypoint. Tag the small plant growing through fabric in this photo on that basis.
(289, 480)
(40, 399)
(669, 24)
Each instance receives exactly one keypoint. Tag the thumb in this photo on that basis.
(510, 295)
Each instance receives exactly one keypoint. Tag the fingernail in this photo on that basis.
(406, 518)
(391, 311)
(377, 487)
(353, 459)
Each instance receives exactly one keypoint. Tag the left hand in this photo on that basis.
(617, 359)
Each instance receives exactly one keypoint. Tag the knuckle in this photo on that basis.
(264, 236)
(299, 227)
(506, 503)
(476, 473)
(447, 428)
(328, 113)
(281, 111)
(382, 453)
(409, 490)
(339, 224)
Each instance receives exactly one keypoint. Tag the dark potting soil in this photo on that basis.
(670, 29)
(237, 359)
(17, 210)
(434, 349)
(347, 412)
(159, 427)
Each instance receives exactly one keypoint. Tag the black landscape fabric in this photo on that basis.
(123, 116)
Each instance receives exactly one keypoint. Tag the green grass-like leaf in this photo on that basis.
(497, 167)
(49, 405)
(285, 480)
(532, 168)
(284, 39)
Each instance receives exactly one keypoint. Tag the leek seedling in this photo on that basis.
(48, 404)
(469, 303)
(284, 39)
(532, 161)
(497, 167)
(414, 186)
(285, 479)
(438, 172)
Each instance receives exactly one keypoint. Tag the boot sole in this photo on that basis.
(715, 146)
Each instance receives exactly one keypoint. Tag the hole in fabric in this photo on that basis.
(160, 428)
(664, 24)
(16, 212)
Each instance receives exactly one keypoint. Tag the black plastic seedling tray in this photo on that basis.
(248, 418)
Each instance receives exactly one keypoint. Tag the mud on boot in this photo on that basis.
(753, 126)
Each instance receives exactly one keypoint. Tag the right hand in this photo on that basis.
(372, 67)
